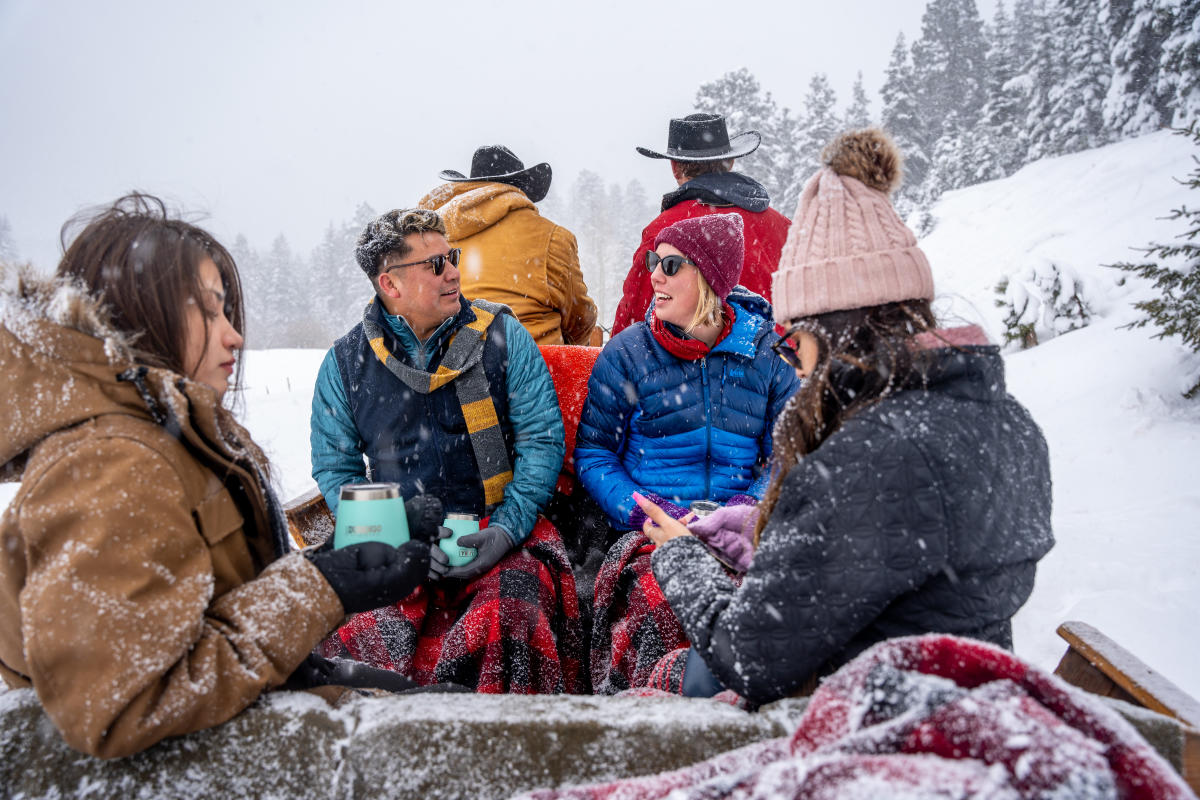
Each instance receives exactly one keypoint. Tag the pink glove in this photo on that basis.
(729, 533)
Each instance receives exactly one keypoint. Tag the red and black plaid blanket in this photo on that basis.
(516, 629)
(929, 716)
(633, 626)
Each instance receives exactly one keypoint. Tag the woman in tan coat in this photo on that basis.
(147, 586)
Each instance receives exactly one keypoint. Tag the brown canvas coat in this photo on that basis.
(513, 255)
(141, 594)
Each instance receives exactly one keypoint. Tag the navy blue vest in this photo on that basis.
(420, 441)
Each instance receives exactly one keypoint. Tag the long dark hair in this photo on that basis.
(863, 355)
(144, 266)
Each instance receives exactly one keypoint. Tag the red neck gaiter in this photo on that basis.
(689, 349)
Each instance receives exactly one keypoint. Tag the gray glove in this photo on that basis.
(491, 542)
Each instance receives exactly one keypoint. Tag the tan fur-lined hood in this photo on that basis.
(59, 360)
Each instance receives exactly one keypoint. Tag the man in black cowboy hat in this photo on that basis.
(702, 155)
(510, 253)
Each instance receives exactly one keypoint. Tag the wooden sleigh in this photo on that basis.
(1092, 662)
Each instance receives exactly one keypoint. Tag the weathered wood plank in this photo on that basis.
(309, 519)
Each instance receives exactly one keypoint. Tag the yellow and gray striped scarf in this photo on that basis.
(462, 365)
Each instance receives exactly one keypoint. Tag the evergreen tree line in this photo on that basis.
(971, 101)
(293, 300)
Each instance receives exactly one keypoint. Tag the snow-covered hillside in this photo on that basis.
(1122, 440)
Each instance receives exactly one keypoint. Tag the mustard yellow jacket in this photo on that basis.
(142, 594)
(513, 255)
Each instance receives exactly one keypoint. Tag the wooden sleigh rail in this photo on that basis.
(1097, 664)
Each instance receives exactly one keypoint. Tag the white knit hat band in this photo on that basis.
(854, 281)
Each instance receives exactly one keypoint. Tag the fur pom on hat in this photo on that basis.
(715, 243)
(847, 247)
(869, 156)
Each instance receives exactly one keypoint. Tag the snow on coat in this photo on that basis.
(924, 513)
(141, 591)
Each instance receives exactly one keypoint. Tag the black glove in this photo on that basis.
(492, 543)
(425, 516)
(372, 574)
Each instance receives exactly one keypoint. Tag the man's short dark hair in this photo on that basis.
(385, 234)
(694, 169)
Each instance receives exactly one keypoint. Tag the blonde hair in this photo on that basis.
(708, 306)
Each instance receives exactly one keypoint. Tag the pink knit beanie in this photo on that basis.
(847, 247)
(714, 243)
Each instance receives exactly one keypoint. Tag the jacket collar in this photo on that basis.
(721, 189)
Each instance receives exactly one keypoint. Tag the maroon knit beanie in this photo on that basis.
(714, 243)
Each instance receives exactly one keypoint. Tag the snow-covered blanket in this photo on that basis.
(516, 629)
(633, 626)
(929, 717)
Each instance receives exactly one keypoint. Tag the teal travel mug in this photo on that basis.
(460, 525)
(370, 512)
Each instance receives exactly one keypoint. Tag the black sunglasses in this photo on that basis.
(787, 351)
(670, 264)
(437, 262)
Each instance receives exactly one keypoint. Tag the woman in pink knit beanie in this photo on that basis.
(910, 492)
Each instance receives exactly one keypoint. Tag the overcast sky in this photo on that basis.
(280, 117)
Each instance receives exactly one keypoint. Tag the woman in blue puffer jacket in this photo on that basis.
(680, 408)
(681, 405)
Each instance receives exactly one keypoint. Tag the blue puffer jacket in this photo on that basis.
(685, 430)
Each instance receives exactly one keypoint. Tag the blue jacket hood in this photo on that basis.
(755, 317)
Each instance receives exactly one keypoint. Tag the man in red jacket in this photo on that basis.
(702, 155)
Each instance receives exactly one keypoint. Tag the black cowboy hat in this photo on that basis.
(704, 137)
(498, 164)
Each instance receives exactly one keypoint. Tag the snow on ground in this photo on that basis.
(1122, 440)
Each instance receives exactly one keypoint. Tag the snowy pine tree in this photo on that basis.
(816, 126)
(741, 100)
(1042, 302)
(1042, 76)
(858, 114)
(1179, 66)
(901, 119)
(8, 248)
(1175, 273)
(1138, 30)
(1077, 106)
(997, 144)
(949, 65)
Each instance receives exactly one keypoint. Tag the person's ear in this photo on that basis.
(388, 286)
(677, 171)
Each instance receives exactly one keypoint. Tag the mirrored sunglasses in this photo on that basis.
(438, 262)
(670, 264)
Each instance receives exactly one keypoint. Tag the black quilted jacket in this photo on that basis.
(924, 513)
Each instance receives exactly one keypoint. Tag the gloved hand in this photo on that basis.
(425, 516)
(729, 534)
(637, 517)
(372, 574)
(492, 543)
(439, 562)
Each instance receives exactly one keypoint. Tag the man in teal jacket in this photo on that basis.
(443, 396)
